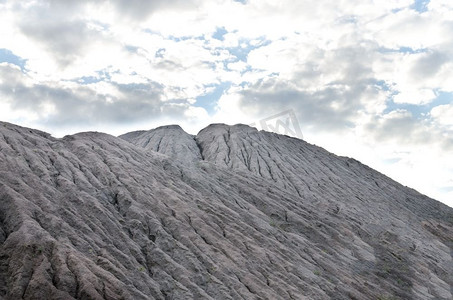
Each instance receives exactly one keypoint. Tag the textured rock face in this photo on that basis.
(170, 140)
(232, 213)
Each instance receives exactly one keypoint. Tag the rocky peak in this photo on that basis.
(170, 140)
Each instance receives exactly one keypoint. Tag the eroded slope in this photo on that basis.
(92, 216)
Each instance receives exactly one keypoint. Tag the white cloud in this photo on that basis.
(443, 6)
(237, 66)
(417, 97)
(229, 109)
(443, 115)
(407, 28)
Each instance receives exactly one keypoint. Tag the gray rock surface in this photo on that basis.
(232, 213)
(170, 140)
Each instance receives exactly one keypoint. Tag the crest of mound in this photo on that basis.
(170, 140)
(281, 159)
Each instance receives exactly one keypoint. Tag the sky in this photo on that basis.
(369, 79)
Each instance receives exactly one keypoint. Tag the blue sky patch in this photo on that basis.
(420, 111)
(209, 101)
(185, 38)
(241, 52)
(160, 53)
(131, 49)
(9, 57)
(220, 32)
(348, 19)
(88, 79)
(102, 75)
(420, 5)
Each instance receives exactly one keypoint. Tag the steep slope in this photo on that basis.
(232, 213)
(310, 171)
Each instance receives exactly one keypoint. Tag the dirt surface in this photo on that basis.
(232, 213)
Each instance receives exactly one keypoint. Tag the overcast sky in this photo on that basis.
(370, 79)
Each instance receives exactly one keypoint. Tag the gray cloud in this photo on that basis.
(447, 143)
(62, 29)
(59, 28)
(65, 40)
(429, 64)
(330, 107)
(313, 109)
(82, 105)
(401, 126)
(404, 128)
(140, 9)
(133, 10)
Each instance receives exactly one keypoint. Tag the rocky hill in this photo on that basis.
(232, 213)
